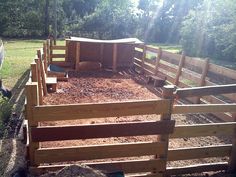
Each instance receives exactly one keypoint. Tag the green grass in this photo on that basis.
(18, 56)
(167, 47)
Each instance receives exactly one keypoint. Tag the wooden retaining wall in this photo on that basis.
(186, 72)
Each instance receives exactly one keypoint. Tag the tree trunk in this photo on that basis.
(46, 19)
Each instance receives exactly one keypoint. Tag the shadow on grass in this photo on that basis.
(17, 101)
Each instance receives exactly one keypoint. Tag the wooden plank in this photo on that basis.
(64, 154)
(32, 100)
(101, 52)
(205, 91)
(114, 58)
(67, 51)
(77, 56)
(45, 62)
(58, 55)
(144, 56)
(58, 47)
(215, 129)
(181, 64)
(197, 168)
(199, 152)
(34, 76)
(167, 68)
(158, 59)
(169, 78)
(42, 71)
(100, 110)
(192, 76)
(152, 49)
(138, 54)
(172, 56)
(39, 81)
(129, 166)
(61, 63)
(101, 130)
(149, 61)
(222, 71)
(211, 108)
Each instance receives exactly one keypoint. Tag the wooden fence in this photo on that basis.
(185, 72)
(165, 127)
(36, 113)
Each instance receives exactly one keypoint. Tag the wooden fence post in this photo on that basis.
(144, 57)
(232, 159)
(158, 59)
(45, 57)
(203, 76)
(67, 51)
(167, 93)
(48, 51)
(34, 73)
(32, 101)
(42, 72)
(39, 82)
(114, 58)
(181, 64)
(77, 56)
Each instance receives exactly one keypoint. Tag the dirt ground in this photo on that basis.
(107, 87)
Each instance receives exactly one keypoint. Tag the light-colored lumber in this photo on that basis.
(39, 81)
(205, 91)
(192, 76)
(199, 152)
(57, 133)
(214, 129)
(171, 56)
(129, 166)
(144, 56)
(58, 47)
(197, 168)
(58, 55)
(203, 76)
(100, 110)
(181, 64)
(42, 72)
(32, 100)
(152, 49)
(64, 154)
(34, 76)
(167, 67)
(101, 53)
(114, 58)
(196, 62)
(77, 56)
(219, 70)
(45, 62)
(67, 51)
(211, 108)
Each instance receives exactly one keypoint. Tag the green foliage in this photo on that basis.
(210, 30)
(5, 113)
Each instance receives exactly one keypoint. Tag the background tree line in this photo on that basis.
(205, 28)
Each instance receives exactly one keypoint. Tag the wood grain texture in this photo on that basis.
(214, 129)
(97, 152)
(199, 152)
(101, 130)
(100, 110)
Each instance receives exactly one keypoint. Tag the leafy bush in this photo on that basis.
(5, 112)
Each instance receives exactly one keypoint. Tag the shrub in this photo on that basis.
(5, 112)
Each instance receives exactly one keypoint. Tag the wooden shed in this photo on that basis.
(112, 54)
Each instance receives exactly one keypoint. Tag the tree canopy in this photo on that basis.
(205, 28)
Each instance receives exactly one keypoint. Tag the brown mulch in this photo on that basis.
(100, 87)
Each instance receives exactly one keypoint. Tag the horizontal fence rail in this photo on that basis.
(100, 110)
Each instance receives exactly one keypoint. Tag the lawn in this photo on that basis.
(168, 47)
(18, 56)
